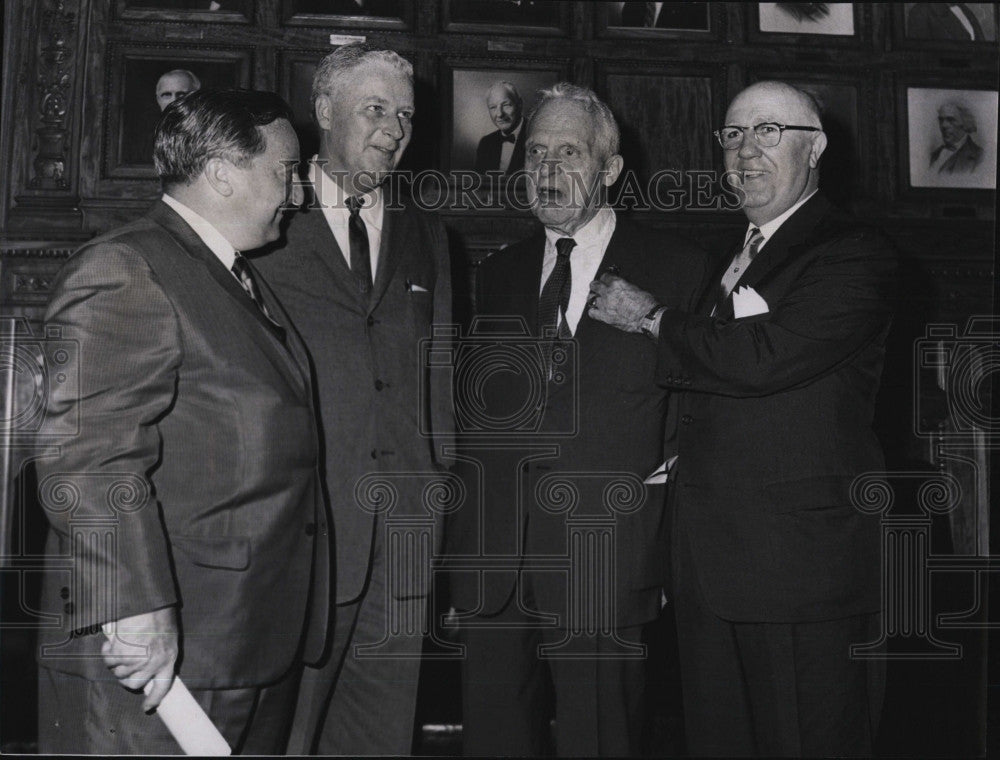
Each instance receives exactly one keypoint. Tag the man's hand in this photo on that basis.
(619, 303)
(142, 650)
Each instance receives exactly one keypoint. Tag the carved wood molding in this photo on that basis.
(55, 69)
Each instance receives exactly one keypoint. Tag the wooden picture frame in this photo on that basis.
(465, 82)
(390, 15)
(931, 115)
(130, 107)
(200, 11)
(922, 26)
(688, 21)
(844, 26)
(501, 17)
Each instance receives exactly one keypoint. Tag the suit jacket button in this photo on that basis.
(310, 529)
(64, 592)
(687, 419)
(374, 454)
(370, 321)
(68, 608)
(379, 385)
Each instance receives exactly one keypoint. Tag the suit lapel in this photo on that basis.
(397, 229)
(789, 238)
(265, 331)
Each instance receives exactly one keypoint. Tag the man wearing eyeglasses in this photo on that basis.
(776, 574)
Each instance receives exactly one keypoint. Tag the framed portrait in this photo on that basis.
(144, 81)
(641, 19)
(490, 103)
(370, 14)
(828, 23)
(666, 115)
(524, 17)
(950, 138)
(952, 26)
(211, 11)
(844, 100)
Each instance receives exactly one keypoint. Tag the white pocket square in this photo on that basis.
(748, 303)
(412, 287)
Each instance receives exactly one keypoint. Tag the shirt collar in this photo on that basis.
(769, 228)
(210, 236)
(334, 198)
(596, 232)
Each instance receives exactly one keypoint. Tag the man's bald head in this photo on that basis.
(775, 178)
(175, 84)
(505, 105)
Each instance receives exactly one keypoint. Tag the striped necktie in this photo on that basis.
(241, 268)
(737, 267)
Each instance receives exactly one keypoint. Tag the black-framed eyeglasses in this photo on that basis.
(767, 134)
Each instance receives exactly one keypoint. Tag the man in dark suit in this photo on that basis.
(775, 573)
(600, 429)
(195, 523)
(503, 150)
(943, 21)
(958, 152)
(363, 279)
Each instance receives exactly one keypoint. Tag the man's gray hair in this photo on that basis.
(336, 67)
(196, 83)
(968, 118)
(605, 125)
(509, 86)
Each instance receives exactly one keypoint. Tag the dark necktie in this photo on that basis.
(737, 267)
(241, 268)
(555, 294)
(361, 263)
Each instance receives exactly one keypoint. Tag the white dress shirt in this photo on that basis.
(507, 148)
(584, 260)
(210, 236)
(769, 228)
(333, 201)
(963, 20)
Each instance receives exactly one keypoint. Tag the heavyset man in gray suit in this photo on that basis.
(364, 279)
(184, 509)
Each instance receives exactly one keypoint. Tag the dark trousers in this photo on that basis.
(508, 689)
(80, 716)
(362, 701)
(773, 689)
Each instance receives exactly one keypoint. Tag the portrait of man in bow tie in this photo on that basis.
(503, 149)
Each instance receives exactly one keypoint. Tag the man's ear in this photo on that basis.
(219, 174)
(612, 169)
(323, 111)
(818, 146)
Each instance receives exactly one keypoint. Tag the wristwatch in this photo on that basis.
(648, 322)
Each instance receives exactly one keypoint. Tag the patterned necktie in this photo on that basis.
(737, 267)
(555, 294)
(241, 268)
(361, 263)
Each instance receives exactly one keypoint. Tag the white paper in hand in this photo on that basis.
(747, 302)
(188, 723)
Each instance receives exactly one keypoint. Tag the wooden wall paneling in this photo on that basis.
(903, 38)
(44, 178)
(666, 112)
(229, 12)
